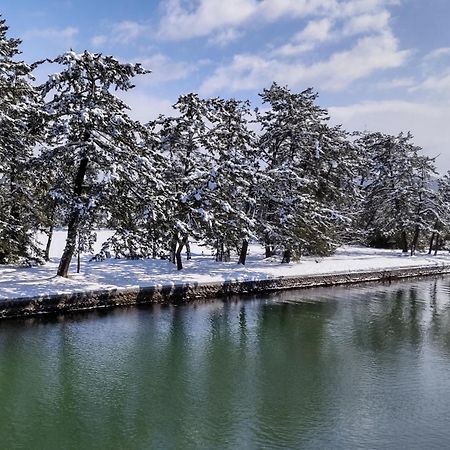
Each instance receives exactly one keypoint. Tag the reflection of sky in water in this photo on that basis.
(337, 368)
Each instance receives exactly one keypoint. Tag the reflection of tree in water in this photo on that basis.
(293, 372)
(390, 318)
(440, 313)
(406, 314)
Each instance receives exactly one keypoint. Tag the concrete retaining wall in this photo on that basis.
(182, 293)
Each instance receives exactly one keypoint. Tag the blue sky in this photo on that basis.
(377, 64)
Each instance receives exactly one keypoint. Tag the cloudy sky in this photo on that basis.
(377, 64)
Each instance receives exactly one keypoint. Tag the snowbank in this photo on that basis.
(116, 274)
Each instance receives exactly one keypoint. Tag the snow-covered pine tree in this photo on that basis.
(388, 188)
(232, 185)
(20, 115)
(93, 140)
(187, 169)
(309, 174)
(137, 212)
(425, 202)
(440, 232)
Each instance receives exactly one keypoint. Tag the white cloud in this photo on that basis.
(367, 23)
(145, 107)
(209, 16)
(397, 83)
(122, 33)
(67, 33)
(435, 70)
(426, 121)
(438, 85)
(224, 37)
(437, 53)
(368, 55)
(165, 69)
(315, 32)
(204, 17)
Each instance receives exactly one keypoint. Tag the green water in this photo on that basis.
(348, 367)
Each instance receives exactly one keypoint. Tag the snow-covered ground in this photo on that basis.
(119, 273)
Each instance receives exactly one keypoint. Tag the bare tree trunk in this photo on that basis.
(415, 240)
(404, 242)
(431, 242)
(49, 243)
(269, 249)
(243, 253)
(286, 256)
(173, 250)
(74, 222)
(220, 251)
(438, 244)
(69, 249)
(181, 245)
(188, 250)
(79, 255)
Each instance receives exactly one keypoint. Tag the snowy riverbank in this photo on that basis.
(202, 269)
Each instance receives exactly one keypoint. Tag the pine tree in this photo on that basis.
(389, 188)
(93, 141)
(425, 201)
(309, 175)
(187, 169)
(20, 116)
(232, 185)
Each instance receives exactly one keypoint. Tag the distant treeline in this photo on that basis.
(70, 155)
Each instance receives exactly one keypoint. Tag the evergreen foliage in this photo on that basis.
(20, 116)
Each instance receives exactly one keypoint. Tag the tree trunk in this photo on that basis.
(74, 222)
(438, 244)
(173, 250)
(220, 251)
(79, 256)
(286, 256)
(188, 250)
(269, 251)
(243, 253)
(404, 242)
(415, 240)
(181, 245)
(49, 243)
(431, 242)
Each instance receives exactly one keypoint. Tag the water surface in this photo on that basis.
(347, 367)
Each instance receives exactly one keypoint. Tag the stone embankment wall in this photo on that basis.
(183, 293)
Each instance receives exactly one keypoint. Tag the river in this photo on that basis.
(364, 366)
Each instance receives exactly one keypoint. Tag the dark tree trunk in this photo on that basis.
(286, 256)
(50, 233)
(74, 222)
(431, 242)
(179, 260)
(227, 255)
(243, 253)
(438, 244)
(219, 251)
(79, 256)
(188, 250)
(173, 250)
(49, 243)
(415, 240)
(404, 242)
(269, 251)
